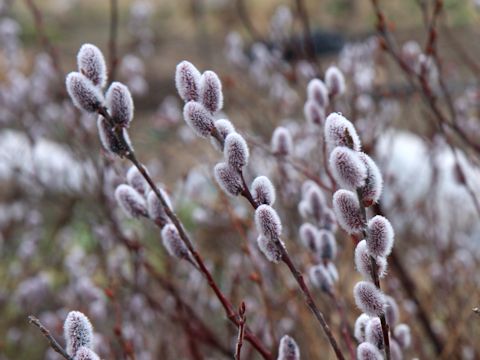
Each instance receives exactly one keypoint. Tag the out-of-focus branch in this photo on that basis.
(113, 39)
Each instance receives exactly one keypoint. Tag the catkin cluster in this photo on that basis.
(78, 333)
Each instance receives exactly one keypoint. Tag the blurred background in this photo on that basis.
(62, 236)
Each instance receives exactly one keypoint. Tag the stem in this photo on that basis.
(241, 330)
(53, 343)
(112, 41)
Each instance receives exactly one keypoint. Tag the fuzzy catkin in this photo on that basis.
(282, 143)
(120, 104)
(360, 326)
(335, 81)
(137, 181)
(224, 127)
(318, 92)
(347, 168)
(263, 191)
(367, 351)
(268, 222)
(309, 236)
(77, 331)
(313, 113)
(374, 333)
(84, 94)
(395, 350)
(211, 95)
(363, 262)
(85, 353)
(187, 81)
(91, 63)
(372, 189)
(369, 299)
(198, 118)
(173, 242)
(392, 313)
(131, 202)
(321, 278)
(269, 248)
(236, 151)
(109, 139)
(403, 335)
(327, 246)
(228, 179)
(340, 132)
(316, 202)
(288, 349)
(380, 236)
(156, 212)
(347, 211)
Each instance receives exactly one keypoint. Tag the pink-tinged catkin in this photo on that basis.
(187, 81)
(327, 246)
(84, 94)
(403, 335)
(332, 269)
(173, 242)
(288, 349)
(316, 202)
(131, 202)
(224, 127)
(198, 118)
(392, 313)
(120, 104)
(374, 333)
(321, 278)
(211, 95)
(347, 211)
(380, 236)
(335, 81)
(314, 114)
(269, 248)
(91, 63)
(263, 191)
(329, 221)
(395, 350)
(367, 351)
(372, 189)
(282, 143)
(348, 170)
(85, 353)
(108, 138)
(363, 262)
(228, 179)
(360, 326)
(318, 92)
(268, 222)
(369, 299)
(236, 151)
(309, 236)
(156, 212)
(340, 132)
(137, 181)
(77, 331)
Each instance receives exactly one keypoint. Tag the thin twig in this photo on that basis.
(53, 343)
(112, 41)
(241, 330)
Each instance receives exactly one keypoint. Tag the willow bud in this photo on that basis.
(156, 212)
(309, 236)
(369, 299)
(327, 246)
(392, 314)
(321, 278)
(318, 92)
(268, 222)
(270, 249)
(137, 181)
(374, 333)
(109, 140)
(198, 118)
(173, 243)
(340, 132)
(380, 236)
(347, 168)
(91, 63)
(187, 81)
(372, 189)
(77, 331)
(367, 351)
(131, 202)
(224, 127)
(288, 349)
(263, 191)
(395, 350)
(316, 202)
(85, 353)
(403, 335)
(314, 113)
(211, 95)
(329, 221)
(228, 179)
(282, 143)
(84, 94)
(363, 262)
(236, 151)
(347, 211)
(335, 81)
(360, 326)
(119, 102)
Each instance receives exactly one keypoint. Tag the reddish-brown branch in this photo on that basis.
(53, 343)
(241, 330)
